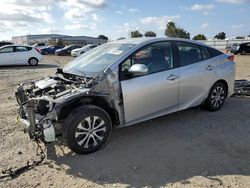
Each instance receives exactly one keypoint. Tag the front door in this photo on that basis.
(154, 94)
(6, 56)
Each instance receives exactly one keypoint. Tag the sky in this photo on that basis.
(117, 18)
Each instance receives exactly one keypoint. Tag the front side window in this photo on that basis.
(6, 50)
(157, 57)
(188, 53)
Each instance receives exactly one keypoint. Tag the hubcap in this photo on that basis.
(33, 62)
(90, 132)
(218, 96)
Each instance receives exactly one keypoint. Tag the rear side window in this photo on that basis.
(213, 52)
(22, 48)
(188, 53)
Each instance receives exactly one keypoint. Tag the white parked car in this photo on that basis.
(77, 52)
(40, 45)
(19, 55)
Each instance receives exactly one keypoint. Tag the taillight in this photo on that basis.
(231, 57)
(38, 50)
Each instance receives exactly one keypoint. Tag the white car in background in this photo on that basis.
(40, 45)
(19, 55)
(77, 52)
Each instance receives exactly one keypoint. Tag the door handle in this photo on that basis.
(210, 67)
(173, 77)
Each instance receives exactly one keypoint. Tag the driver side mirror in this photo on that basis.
(138, 70)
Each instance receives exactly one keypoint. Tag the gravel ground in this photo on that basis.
(192, 148)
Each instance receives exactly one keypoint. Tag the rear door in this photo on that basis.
(6, 56)
(196, 74)
(156, 93)
(22, 54)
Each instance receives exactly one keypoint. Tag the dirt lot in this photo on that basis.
(192, 148)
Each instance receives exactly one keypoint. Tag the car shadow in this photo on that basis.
(27, 67)
(168, 149)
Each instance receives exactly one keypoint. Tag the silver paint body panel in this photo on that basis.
(153, 95)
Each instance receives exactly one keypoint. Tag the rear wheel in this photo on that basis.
(87, 129)
(216, 97)
(33, 61)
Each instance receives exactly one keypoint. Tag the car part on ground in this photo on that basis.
(120, 84)
(14, 173)
(242, 88)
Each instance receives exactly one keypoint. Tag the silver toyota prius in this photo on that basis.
(122, 83)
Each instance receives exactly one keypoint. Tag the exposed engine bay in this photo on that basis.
(41, 100)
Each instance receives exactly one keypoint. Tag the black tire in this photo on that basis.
(243, 52)
(83, 138)
(216, 97)
(33, 61)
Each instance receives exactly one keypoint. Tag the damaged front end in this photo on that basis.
(40, 103)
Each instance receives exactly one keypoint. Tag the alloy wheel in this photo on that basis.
(90, 132)
(218, 96)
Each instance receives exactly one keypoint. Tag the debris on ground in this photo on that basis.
(242, 88)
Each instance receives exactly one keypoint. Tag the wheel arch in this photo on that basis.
(98, 101)
(224, 82)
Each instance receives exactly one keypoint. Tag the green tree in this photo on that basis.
(150, 34)
(221, 35)
(103, 37)
(200, 37)
(136, 34)
(173, 31)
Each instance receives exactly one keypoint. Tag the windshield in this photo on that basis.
(97, 60)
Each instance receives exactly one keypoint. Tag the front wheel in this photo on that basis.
(87, 129)
(216, 97)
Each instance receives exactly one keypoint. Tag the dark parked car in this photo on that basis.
(50, 50)
(5, 43)
(66, 50)
(242, 49)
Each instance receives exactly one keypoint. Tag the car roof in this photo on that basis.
(146, 40)
(13, 45)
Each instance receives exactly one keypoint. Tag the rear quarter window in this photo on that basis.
(213, 52)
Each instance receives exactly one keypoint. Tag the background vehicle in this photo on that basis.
(123, 83)
(50, 50)
(3, 43)
(229, 46)
(40, 45)
(77, 52)
(19, 55)
(242, 49)
(66, 50)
